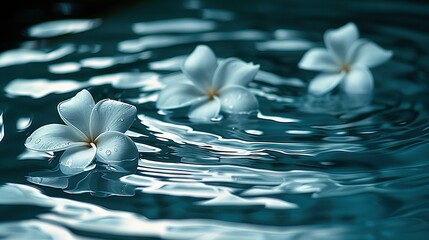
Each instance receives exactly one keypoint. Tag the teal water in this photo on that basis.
(294, 170)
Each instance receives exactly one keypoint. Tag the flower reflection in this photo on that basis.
(213, 87)
(93, 135)
(345, 61)
(100, 183)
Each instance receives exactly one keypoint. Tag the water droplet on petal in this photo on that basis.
(121, 119)
(36, 179)
(108, 152)
(115, 150)
(68, 163)
(28, 140)
(38, 140)
(107, 129)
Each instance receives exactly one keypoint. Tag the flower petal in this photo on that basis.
(338, 41)
(318, 59)
(234, 71)
(368, 54)
(205, 110)
(76, 160)
(76, 111)
(111, 115)
(200, 66)
(358, 81)
(237, 99)
(115, 147)
(325, 82)
(54, 137)
(178, 95)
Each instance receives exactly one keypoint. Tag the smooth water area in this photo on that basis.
(298, 169)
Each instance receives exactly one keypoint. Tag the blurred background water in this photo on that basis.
(295, 170)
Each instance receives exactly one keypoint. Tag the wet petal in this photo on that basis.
(318, 59)
(111, 115)
(115, 147)
(76, 111)
(205, 110)
(338, 41)
(54, 137)
(369, 54)
(237, 99)
(324, 83)
(233, 71)
(200, 66)
(178, 95)
(76, 160)
(358, 81)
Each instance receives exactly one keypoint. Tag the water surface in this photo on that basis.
(294, 170)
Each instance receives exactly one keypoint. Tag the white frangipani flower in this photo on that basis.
(93, 133)
(213, 87)
(346, 61)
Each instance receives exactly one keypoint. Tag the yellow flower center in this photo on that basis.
(91, 144)
(345, 68)
(212, 93)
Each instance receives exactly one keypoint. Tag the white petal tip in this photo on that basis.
(202, 47)
(389, 53)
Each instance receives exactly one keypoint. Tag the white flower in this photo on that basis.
(213, 87)
(93, 133)
(346, 61)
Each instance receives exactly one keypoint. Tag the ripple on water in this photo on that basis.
(1, 126)
(23, 56)
(278, 174)
(62, 27)
(178, 25)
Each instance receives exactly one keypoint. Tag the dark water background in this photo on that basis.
(289, 172)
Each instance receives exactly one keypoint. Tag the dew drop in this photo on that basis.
(36, 179)
(68, 163)
(115, 149)
(28, 140)
(107, 129)
(121, 119)
(108, 152)
(38, 140)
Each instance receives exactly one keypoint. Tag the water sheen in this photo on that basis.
(300, 168)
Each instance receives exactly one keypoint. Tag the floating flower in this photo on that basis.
(345, 61)
(213, 86)
(93, 133)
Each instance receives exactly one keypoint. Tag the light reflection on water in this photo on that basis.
(22, 56)
(62, 27)
(300, 168)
